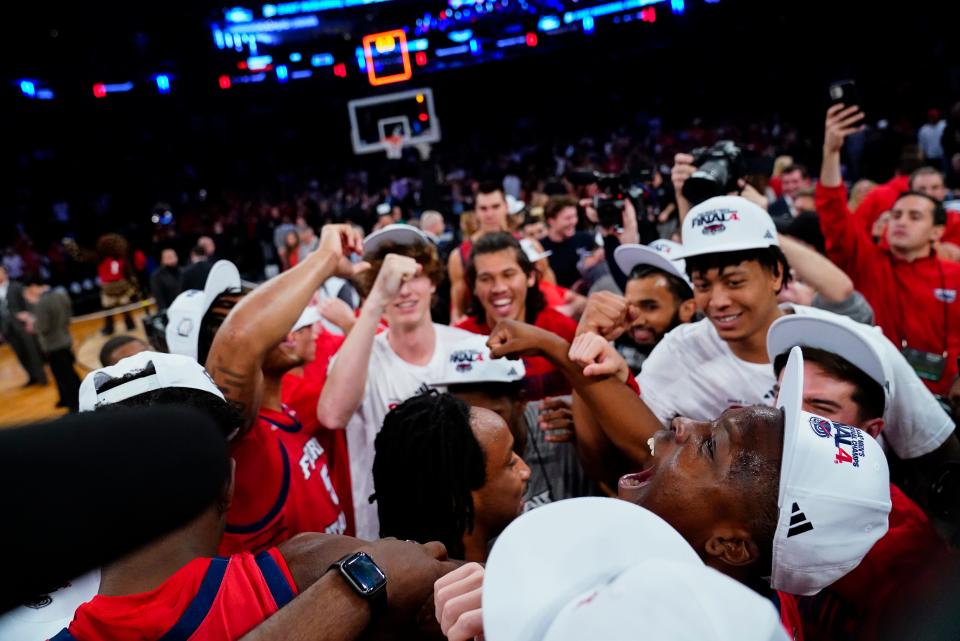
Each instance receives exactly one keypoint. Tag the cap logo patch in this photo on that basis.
(185, 327)
(821, 426)
(798, 522)
(945, 295)
(465, 358)
(712, 221)
(663, 248)
(768, 235)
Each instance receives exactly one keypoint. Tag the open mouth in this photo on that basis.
(726, 321)
(642, 335)
(502, 306)
(631, 486)
(407, 305)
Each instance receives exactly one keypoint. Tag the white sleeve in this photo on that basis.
(915, 422)
(659, 375)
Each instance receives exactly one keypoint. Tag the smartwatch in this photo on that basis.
(366, 578)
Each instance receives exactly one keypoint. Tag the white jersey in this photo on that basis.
(48, 614)
(390, 381)
(692, 372)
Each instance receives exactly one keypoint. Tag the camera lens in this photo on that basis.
(708, 181)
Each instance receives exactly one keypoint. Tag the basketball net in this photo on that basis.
(394, 145)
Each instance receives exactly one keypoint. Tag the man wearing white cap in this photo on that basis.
(658, 296)
(848, 380)
(373, 372)
(283, 484)
(701, 369)
(760, 496)
(185, 332)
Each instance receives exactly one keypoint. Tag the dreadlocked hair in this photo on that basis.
(427, 463)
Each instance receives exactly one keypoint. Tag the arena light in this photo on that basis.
(28, 88)
(531, 39)
(238, 15)
(282, 73)
(321, 60)
(386, 43)
(44, 94)
(460, 36)
(340, 70)
(259, 63)
(588, 24)
(607, 9)
(296, 57)
(163, 83)
(301, 74)
(99, 90)
(678, 6)
(548, 23)
(224, 82)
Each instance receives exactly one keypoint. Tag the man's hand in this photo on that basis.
(631, 232)
(457, 598)
(411, 570)
(339, 313)
(606, 314)
(341, 241)
(841, 122)
(396, 270)
(598, 357)
(556, 419)
(512, 339)
(749, 192)
(683, 168)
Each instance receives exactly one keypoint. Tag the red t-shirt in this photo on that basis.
(852, 607)
(543, 379)
(301, 394)
(909, 300)
(283, 486)
(218, 599)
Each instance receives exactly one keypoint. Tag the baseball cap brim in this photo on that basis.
(223, 276)
(398, 233)
(550, 555)
(689, 252)
(830, 336)
(310, 316)
(629, 256)
(790, 402)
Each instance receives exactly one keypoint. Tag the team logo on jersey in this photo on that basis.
(713, 221)
(821, 426)
(465, 358)
(945, 295)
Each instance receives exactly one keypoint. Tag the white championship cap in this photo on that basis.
(838, 336)
(660, 254)
(726, 224)
(654, 599)
(188, 309)
(470, 362)
(309, 316)
(549, 567)
(396, 233)
(48, 614)
(834, 495)
(531, 251)
(153, 370)
(515, 205)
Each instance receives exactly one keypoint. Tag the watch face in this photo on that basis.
(365, 573)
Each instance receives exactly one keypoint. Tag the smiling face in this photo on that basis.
(501, 286)
(711, 480)
(656, 309)
(411, 306)
(564, 224)
(740, 300)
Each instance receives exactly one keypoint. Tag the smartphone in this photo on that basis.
(845, 91)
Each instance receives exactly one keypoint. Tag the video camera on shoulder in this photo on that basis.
(615, 190)
(718, 169)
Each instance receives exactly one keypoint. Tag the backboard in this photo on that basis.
(409, 114)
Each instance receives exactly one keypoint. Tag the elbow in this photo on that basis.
(330, 417)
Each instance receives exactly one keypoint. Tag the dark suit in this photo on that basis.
(24, 344)
(195, 276)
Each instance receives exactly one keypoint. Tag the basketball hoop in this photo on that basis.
(394, 146)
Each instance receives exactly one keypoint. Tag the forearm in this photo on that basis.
(622, 416)
(830, 175)
(329, 610)
(347, 379)
(817, 270)
(598, 456)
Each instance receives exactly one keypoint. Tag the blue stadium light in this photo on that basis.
(239, 14)
(119, 87)
(361, 59)
(29, 88)
(607, 9)
(256, 63)
(677, 6)
(420, 44)
(460, 36)
(163, 83)
(475, 47)
(511, 42)
(451, 51)
(321, 60)
(300, 74)
(282, 74)
(275, 26)
(218, 38)
(588, 24)
(269, 10)
(548, 23)
(228, 40)
(295, 57)
(44, 94)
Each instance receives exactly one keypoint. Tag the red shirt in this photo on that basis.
(283, 486)
(218, 599)
(111, 270)
(786, 605)
(909, 300)
(543, 379)
(853, 606)
(301, 394)
(878, 200)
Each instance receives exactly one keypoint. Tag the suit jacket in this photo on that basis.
(15, 304)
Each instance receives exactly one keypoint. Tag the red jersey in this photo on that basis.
(301, 394)
(283, 486)
(852, 607)
(878, 200)
(786, 605)
(914, 301)
(543, 379)
(218, 599)
(111, 270)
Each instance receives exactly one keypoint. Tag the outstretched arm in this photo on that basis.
(264, 317)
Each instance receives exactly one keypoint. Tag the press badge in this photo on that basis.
(928, 366)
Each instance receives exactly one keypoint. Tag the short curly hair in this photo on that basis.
(424, 253)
